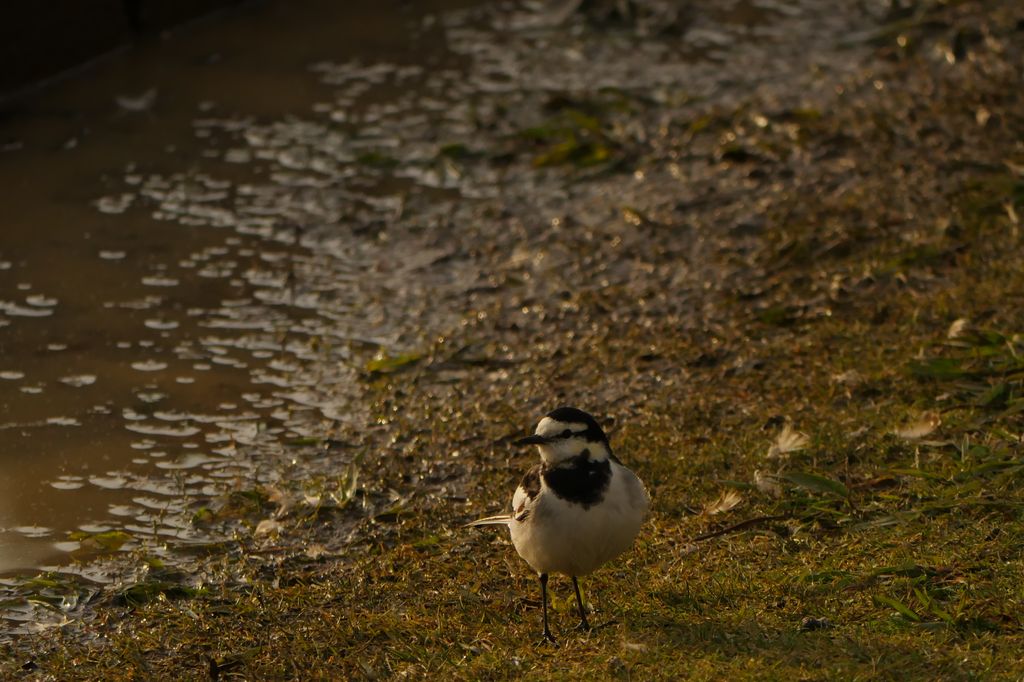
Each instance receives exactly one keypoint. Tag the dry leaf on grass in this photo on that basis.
(789, 440)
(730, 499)
(267, 527)
(919, 428)
(958, 328)
(767, 483)
(850, 377)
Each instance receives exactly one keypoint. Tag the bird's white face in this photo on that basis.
(565, 440)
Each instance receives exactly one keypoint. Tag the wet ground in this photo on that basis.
(214, 243)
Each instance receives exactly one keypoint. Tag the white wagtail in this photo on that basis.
(576, 510)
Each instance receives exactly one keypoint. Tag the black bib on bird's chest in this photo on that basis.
(580, 481)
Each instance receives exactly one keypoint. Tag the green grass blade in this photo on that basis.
(816, 483)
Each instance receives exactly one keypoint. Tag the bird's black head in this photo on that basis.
(566, 432)
(576, 419)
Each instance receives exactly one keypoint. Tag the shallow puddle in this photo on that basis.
(154, 315)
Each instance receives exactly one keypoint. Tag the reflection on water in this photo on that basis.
(145, 357)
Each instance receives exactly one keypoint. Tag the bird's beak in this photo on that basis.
(535, 439)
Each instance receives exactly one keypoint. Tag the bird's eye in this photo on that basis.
(566, 433)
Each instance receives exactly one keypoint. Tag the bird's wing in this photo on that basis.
(522, 502)
(525, 497)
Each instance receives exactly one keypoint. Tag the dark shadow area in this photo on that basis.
(41, 39)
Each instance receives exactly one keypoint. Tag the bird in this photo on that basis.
(576, 510)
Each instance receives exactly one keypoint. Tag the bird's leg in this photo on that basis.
(584, 625)
(544, 600)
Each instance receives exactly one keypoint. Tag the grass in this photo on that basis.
(884, 545)
(904, 554)
(578, 133)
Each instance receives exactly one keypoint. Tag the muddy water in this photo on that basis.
(146, 332)
(205, 239)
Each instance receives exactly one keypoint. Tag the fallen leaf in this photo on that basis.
(383, 363)
(767, 484)
(920, 427)
(789, 440)
(283, 501)
(850, 377)
(729, 499)
(267, 527)
(958, 328)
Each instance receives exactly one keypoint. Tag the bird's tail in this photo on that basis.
(499, 520)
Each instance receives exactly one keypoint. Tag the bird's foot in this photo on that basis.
(584, 626)
(547, 638)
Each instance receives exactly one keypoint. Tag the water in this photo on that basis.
(148, 333)
(206, 238)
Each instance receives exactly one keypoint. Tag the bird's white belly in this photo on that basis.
(563, 537)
